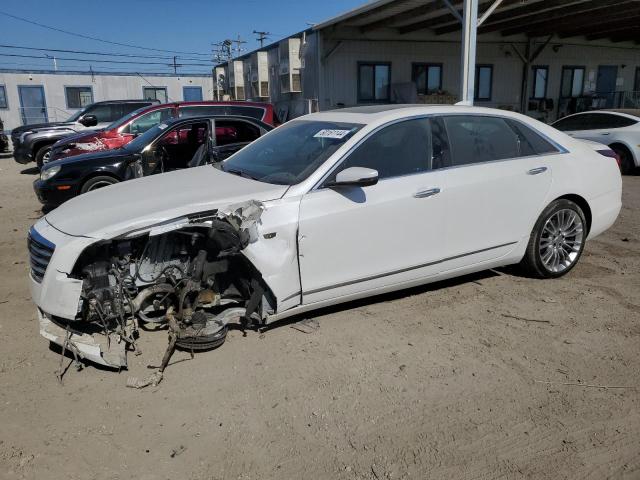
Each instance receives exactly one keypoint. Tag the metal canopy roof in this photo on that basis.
(615, 20)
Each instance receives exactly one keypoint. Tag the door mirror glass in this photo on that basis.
(89, 120)
(356, 177)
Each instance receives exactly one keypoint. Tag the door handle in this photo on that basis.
(427, 193)
(606, 133)
(536, 171)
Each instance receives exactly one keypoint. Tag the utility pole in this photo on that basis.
(175, 66)
(239, 43)
(262, 36)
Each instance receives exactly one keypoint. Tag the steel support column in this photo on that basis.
(469, 37)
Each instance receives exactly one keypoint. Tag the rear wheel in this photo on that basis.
(43, 155)
(98, 182)
(626, 160)
(557, 240)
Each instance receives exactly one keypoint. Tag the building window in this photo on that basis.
(3, 97)
(374, 82)
(484, 82)
(572, 82)
(155, 93)
(540, 79)
(427, 77)
(636, 82)
(192, 94)
(78, 97)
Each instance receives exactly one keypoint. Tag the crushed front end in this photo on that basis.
(189, 274)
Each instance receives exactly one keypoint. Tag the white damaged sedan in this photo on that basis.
(327, 208)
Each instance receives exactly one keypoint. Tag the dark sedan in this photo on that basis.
(176, 144)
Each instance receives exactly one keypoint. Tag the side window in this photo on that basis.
(614, 121)
(531, 143)
(399, 149)
(146, 121)
(253, 112)
(477, 139)
(201, 110)
(103, 112)
(235, 131)
(569, 124)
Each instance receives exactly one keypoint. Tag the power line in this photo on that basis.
(84, 52)
(106, 61)
(88, 37)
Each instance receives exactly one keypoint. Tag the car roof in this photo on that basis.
(379, 113)
(173, 121)
(625, 112)
(125, 101)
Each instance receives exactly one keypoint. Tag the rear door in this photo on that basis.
(495, 186)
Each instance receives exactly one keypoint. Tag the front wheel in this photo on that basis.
(98, 182)
(43, 155)
(557, 240)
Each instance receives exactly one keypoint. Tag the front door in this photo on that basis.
(356, 239)
(606, 83)
(32, 104)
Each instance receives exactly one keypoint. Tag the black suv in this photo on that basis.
(34, 142)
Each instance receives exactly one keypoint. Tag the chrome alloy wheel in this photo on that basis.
(46, 157)
(561, 240)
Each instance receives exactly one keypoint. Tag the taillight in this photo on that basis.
(611, 154)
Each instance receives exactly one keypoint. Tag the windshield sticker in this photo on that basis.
(331, 133)
(162, 126)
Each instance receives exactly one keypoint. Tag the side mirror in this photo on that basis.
(89, 120)
(356, 177)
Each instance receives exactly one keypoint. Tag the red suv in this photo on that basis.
(122, 131)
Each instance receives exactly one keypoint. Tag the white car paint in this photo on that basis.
(320, 246)
(627, 136)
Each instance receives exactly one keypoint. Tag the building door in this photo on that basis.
(606, 83)
(33, 106)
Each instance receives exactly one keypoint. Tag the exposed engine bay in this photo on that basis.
(189, 275)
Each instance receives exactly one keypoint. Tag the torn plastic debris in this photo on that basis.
(94, 347)
(243, 216)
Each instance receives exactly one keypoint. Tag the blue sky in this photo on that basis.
(180, 25)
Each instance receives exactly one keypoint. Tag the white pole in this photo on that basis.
(469, 36)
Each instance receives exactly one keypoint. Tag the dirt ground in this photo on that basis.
(468, 379)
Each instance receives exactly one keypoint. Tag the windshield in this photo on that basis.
(290, 153)
(122, 120)
(144, 139)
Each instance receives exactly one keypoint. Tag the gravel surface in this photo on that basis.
(474, 378)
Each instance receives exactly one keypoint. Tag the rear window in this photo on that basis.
(531, 143)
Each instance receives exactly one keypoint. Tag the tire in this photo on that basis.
(42, 155)
(98, 182)
(626, 160)
(557, 240)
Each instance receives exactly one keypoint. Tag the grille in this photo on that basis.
(40, 251)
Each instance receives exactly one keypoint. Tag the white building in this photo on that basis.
(543, 57)
(34, 96)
